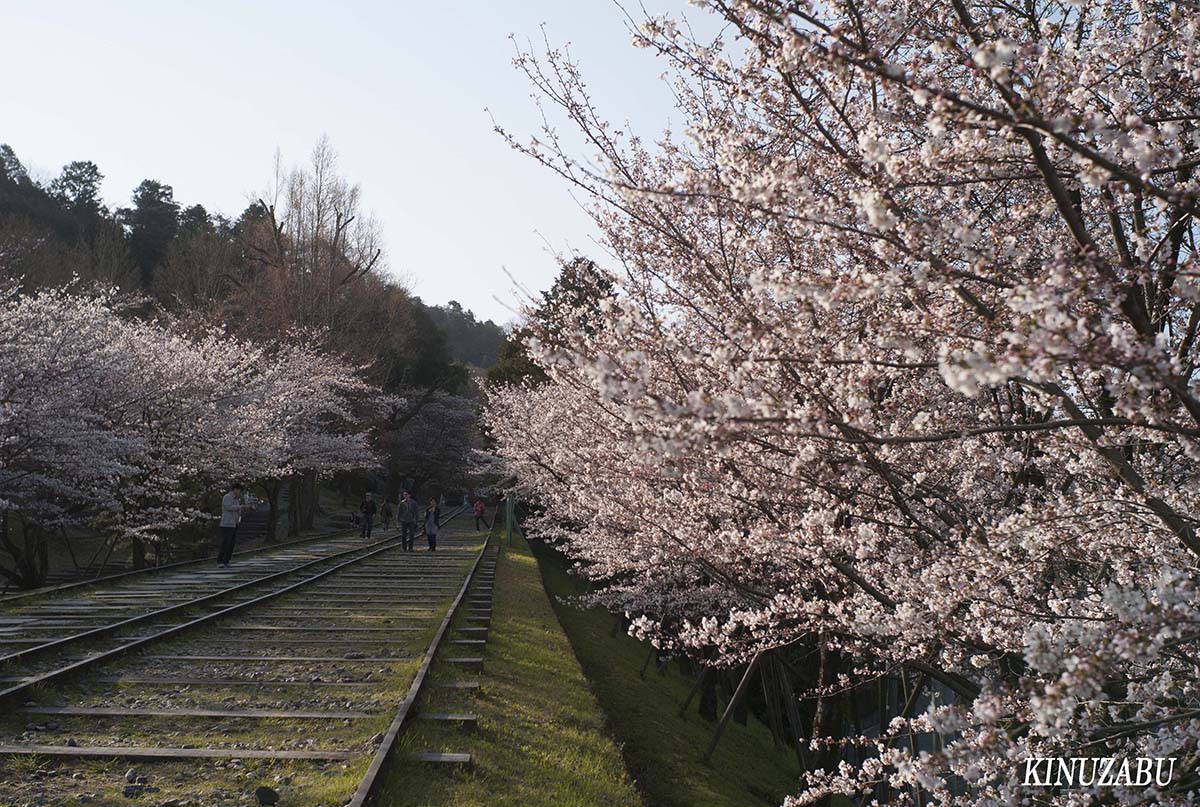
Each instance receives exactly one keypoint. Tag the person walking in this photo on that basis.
(367, 508)
(480, 509)
(232, 506)
(432, 514)
(385, 514)
(406, 514)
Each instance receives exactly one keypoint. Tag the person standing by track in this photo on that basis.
(406, 515)
(385, 513)
(368, 508)
(232, 507)
(432, 514)
(479, 510)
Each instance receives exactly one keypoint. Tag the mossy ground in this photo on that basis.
(541, 738)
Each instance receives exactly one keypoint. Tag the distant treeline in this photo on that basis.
(301, 256)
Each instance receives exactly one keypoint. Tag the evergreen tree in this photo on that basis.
(22, 198)
(572, 302)
(153, 222)
(77, 189)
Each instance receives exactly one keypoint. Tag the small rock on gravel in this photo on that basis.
(131, 775)
(133, 790)
(266, 796)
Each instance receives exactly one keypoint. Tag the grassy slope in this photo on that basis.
(663, 751)
(541, 738)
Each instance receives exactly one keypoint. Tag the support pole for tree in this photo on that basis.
(793, 714)
(700, 681)
(646, 663)
(738, 694)
(112, 545)
(508, 517)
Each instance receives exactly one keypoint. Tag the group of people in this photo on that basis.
(408, 515)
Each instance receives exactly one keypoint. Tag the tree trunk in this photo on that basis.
(309, 511)
(271, 488)
(825, 718)
(137, 553)
(294, 506)
(31, 555)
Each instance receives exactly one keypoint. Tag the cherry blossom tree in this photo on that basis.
(117, 422)
(900, 365)
(427, 439)
(318, 408)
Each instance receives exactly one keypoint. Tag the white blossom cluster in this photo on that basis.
(901, 363)
(121, 423)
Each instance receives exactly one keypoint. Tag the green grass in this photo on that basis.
(663, 751)
(541, 737)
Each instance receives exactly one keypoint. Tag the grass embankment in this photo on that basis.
(663, 751)
(541, 738)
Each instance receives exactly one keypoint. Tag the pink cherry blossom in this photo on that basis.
(900, 367)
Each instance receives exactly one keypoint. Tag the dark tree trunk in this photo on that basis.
(825, 718)
(137, 553)
(271, 489)
(308, 499)
(294, 506)
(31, 553)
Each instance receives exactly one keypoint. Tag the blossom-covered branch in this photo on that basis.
(900, 363)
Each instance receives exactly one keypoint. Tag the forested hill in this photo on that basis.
(469, 340)
(306, 259)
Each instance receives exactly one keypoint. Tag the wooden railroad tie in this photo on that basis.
(173, 753)
(443, 758)
(109, 711)
(256, 682)
(306, 659)
(465, 718)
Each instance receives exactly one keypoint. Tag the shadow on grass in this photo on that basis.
(663, 751)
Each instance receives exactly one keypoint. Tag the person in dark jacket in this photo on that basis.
(233, 505)
(432, 514)
(407, 514)
(367, 508)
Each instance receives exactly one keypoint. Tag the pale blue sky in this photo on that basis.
(200, 95)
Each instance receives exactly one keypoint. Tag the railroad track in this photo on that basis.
(294, 670)
(127, 574)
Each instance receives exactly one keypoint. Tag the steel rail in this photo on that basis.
(112, 627)
(47, 677)
(367, 784)
(178, 564)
